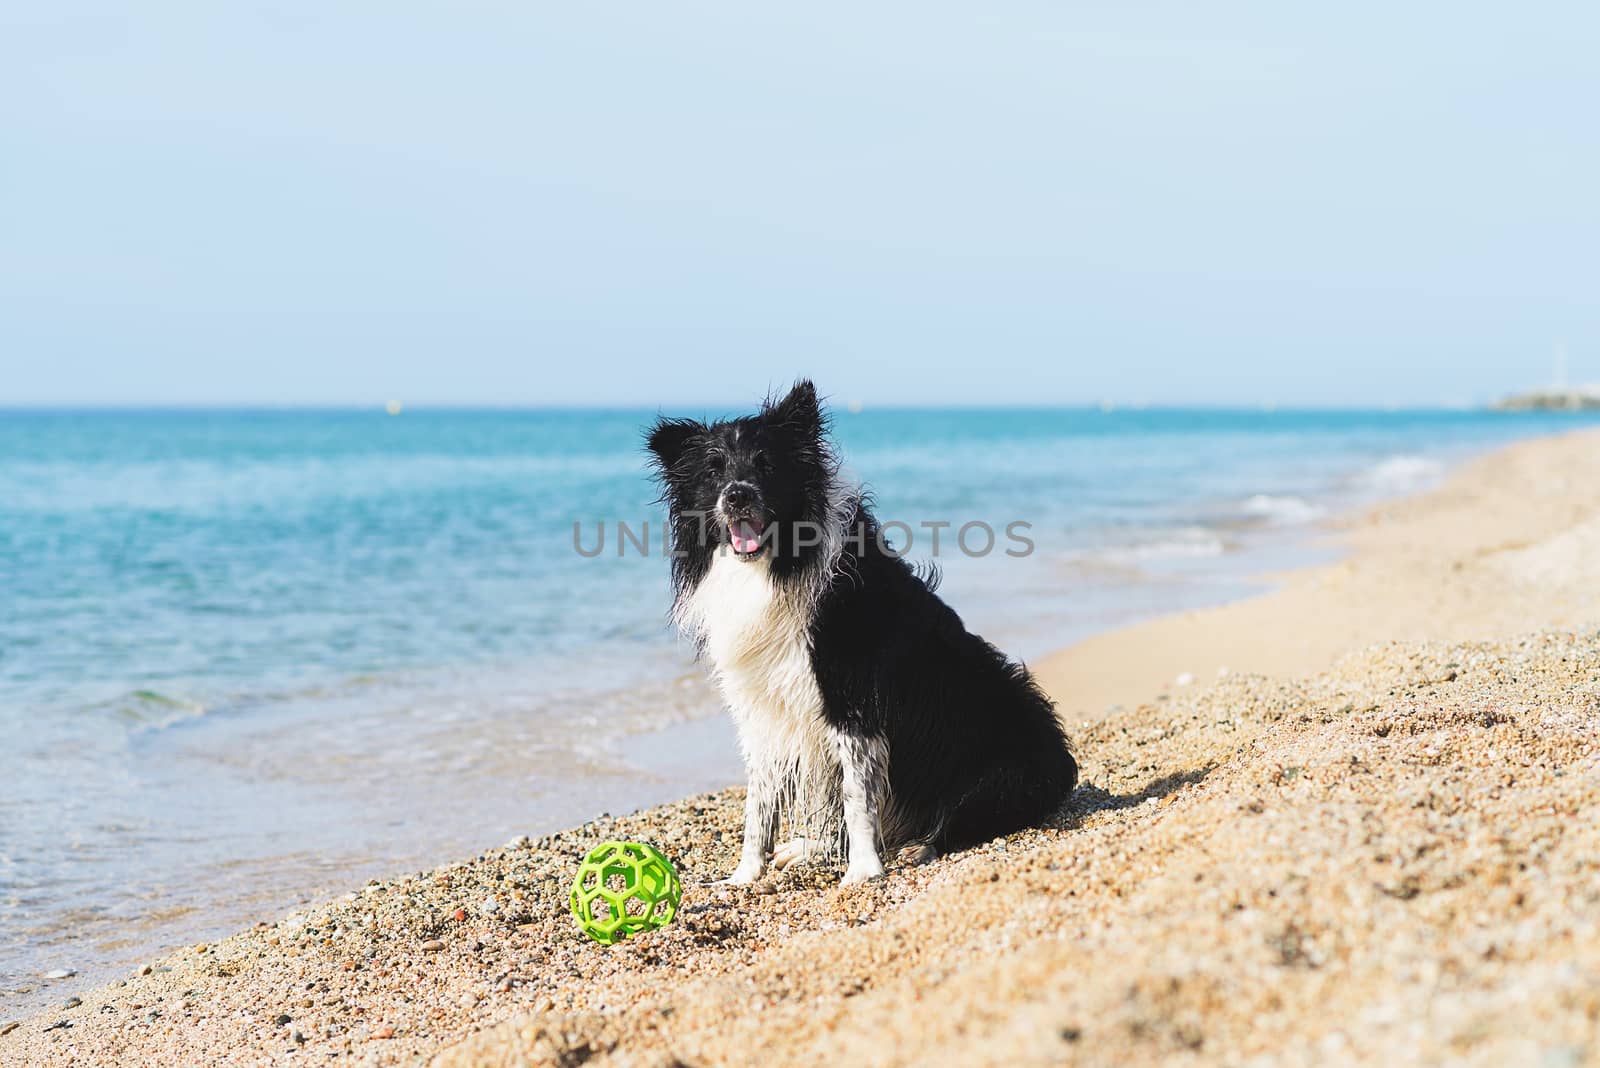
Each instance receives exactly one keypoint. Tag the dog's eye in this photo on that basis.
(717, 458)
(761, 463)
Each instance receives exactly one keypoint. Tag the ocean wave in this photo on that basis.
(151, 710)
(1183, 543)
(1400, 474)
(1278, 508)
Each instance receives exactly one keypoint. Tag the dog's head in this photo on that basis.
(756, 487)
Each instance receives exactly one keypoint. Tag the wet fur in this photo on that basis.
(866, 712)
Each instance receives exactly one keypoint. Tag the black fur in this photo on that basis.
(783, 451)
(974, 747)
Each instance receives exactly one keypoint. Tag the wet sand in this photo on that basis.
(1369, 841)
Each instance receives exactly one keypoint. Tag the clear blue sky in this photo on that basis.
(677, 202)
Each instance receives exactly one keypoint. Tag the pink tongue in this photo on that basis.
(745, 537)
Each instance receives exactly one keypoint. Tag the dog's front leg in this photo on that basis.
(864, 759)
(760, 823)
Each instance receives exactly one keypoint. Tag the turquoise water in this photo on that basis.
(249, 656)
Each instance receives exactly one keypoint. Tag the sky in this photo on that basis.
(659, 204)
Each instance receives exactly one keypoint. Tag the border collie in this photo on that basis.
(866, 711)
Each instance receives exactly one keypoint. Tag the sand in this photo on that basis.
(1372, 841)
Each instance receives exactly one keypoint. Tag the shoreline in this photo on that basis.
(1510, 499)
(520, 742)
(567, 776)
(1504, 548)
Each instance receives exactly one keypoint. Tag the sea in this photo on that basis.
(254, 658)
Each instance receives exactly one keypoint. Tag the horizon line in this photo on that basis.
(840, 407)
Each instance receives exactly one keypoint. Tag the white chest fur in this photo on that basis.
(757, 643)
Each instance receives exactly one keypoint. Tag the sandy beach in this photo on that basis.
(1346, 821)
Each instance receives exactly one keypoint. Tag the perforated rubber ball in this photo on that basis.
(623, 888)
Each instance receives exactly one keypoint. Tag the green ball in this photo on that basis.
(623, 888)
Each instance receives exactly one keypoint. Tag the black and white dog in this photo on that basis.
(864, 707)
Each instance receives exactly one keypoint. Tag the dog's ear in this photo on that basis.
(799, 410)
(669, 437)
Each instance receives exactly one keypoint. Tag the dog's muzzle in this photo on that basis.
(740, 509)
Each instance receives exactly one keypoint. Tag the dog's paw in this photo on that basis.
(746, 873)
(916, 853)
(862, 871)
(794, 851)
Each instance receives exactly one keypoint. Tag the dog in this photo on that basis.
(866, 712)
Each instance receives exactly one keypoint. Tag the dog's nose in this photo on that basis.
(738, 495)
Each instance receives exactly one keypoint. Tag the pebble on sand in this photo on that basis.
(61, 973)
